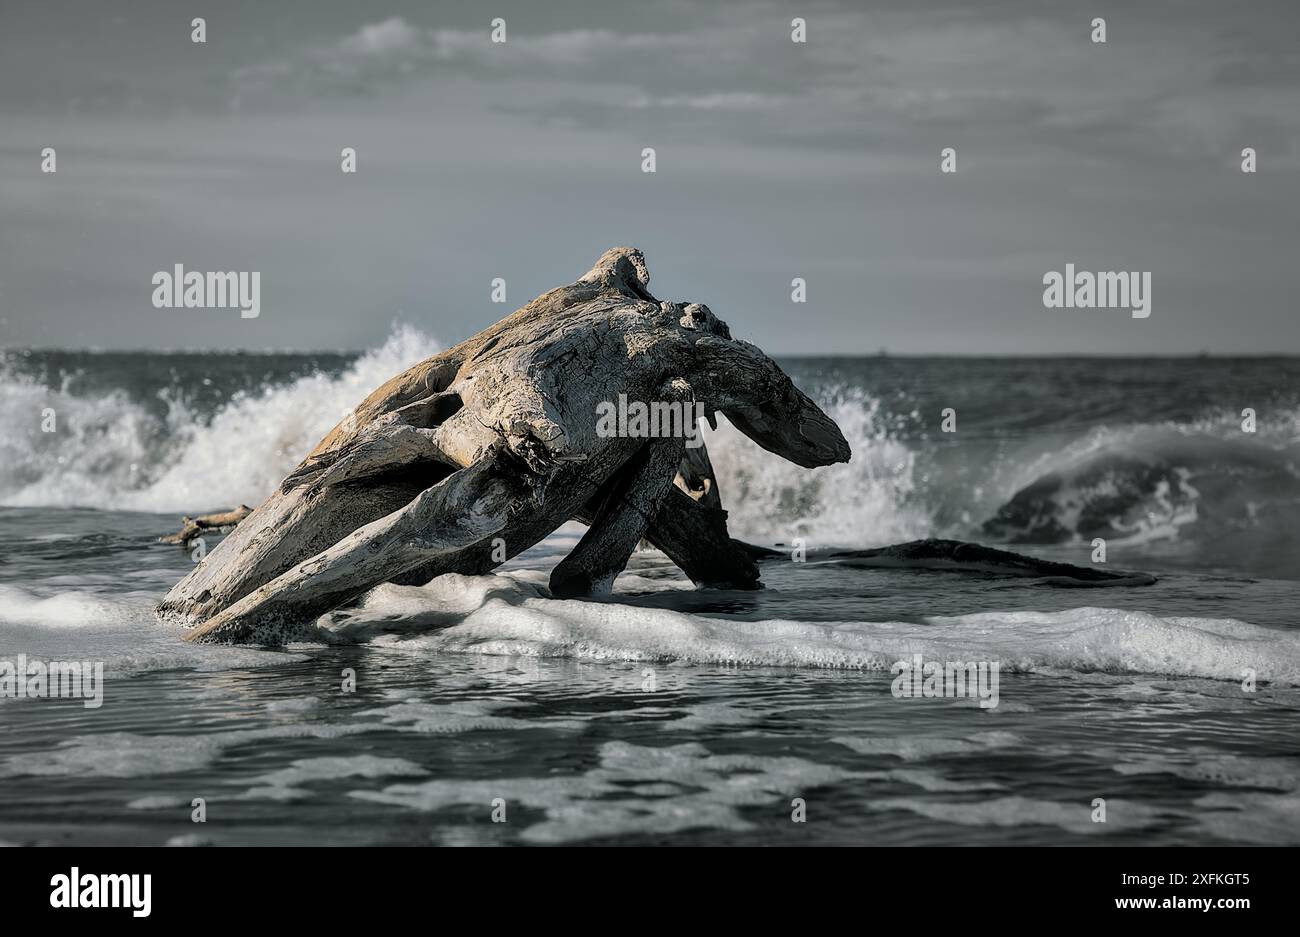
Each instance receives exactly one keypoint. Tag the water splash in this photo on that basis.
(111, 452)
(869, 501)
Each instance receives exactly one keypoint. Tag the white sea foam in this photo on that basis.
(509, 614)
(72, 609)
(111, 453)
(1251, 817)
(330, 768)
(189, 839)
(922, 748)
(157, 802)
(1224, 770)
(464, 716)
(935, 782)
(864, 502)
(119, 631)
(1027, 811)
(512, 618)
(630, 792)
(131, 755)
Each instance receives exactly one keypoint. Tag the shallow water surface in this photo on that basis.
(665, 714)
(661, 715)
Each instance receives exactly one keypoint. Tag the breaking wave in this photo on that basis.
(111, 452)
(1195, 490)
(1179, 491)
(871, 500)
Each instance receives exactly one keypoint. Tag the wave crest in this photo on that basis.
(868, 501)
(111, 452)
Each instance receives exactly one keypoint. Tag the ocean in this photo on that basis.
(479, 710)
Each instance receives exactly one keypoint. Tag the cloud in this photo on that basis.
(863, 78)
(715, 101)
(393, 50)
(393, 35)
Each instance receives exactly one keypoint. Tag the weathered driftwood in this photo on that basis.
(474, 455)
(192, 527)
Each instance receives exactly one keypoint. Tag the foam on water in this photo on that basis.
(513, 617)
(111, 453)
(1223, 490)
(307, 770)
(630, 791)
(1228, 770)
(1202, 485)
(119, 631)
(132, 755)
(920, 748)
(1028, 811)
(864, 502)
(511, 613)
(455, 718)
(71, 610)
(1251, 817)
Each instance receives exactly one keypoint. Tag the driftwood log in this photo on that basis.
(193, 527)
(474, 455)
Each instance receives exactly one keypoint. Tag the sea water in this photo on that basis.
(479, 710)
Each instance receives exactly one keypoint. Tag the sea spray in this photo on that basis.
(111, 452)
(869, 501)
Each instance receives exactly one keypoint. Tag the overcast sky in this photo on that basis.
(775, 160)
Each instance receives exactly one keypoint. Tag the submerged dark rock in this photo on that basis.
(961, 556)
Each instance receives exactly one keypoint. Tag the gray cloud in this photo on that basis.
(775, 160)
(868, 75)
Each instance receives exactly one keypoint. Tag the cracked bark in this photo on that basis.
(497, 438)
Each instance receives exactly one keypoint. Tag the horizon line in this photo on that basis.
(875, 355)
